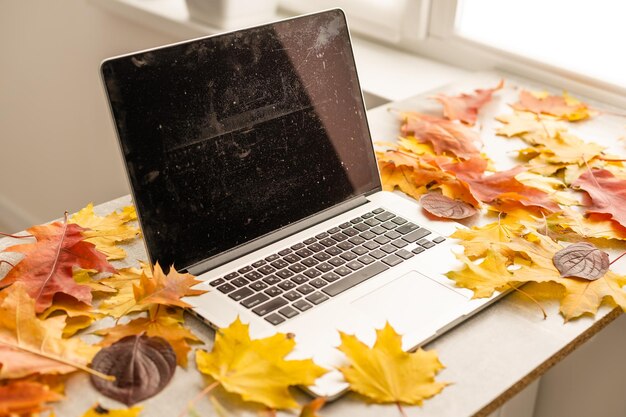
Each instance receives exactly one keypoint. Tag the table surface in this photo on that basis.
(489, 358)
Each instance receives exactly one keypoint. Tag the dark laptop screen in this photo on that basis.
(229, 138)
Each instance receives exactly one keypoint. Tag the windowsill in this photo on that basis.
(386, 74)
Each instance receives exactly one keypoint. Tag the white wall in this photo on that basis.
(58, 148)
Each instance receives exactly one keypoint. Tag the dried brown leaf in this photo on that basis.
(581, 260)
(441, 206)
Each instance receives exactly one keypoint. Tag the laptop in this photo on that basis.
(252, 167)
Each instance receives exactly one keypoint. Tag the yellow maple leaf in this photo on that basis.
(78, 315)
(532, 128)
(165, 289)
(29, 345)
(385, 373)
(161, 323)
(99, 411)
(123, 301)
(483, 278)
(84, 277)
(106, 232)
(256, 369)
(480, 239)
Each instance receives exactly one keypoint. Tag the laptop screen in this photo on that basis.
(231, 137)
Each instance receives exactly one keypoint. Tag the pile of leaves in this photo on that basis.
(548, 214)
(59, 285)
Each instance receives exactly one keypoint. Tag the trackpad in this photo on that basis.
(413, 304)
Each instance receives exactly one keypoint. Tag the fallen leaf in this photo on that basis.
(161, 323)
(607, 193)
(465, 107)
(531, 127)
(165, 289)
(593, 226)
(311, 409)
(493, 236)
(446, 137)
(46, 269)
(29, 345)
(385, 373)
(84, 277)
(581, 260)
(142, 367)
(441, 206)
(565, 107)
(486, 277)
(78, 316)
(106, 232)
(99, 411)
(123, 301)
(256, 369)
(24, 398)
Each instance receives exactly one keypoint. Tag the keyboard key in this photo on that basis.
(252, 276)
(259, 263)
(322, 256)
(333, 230)
(310, 262)
(354, 265)
(292, 295)
(348, 256)
(399, 220)
(324, 267)
(272, 279)
(345, 245)
(379, 230)
(270, 306)
(266, 270)
(317, 298)
(389, 248)
(258, 286)
(356, 278)
(331, 277)
(241, 293)
(315, 247)
(284, 273)
(389, 225)
(393, 234)
(309, 241)
(383, 217)
(297, 267)
(404, 254)
(239, 282)
(302, 305)
(343, 271)
(312, 273)
(288, 312)
(351, 232)
(340, 237)
(372, 222)
(226, 288)
(328, 242)
(360, 250)
(334, 251)
(299, 279)
(217, 282)
(245, 269)
(377, 254)
(356, 220)
(337, 261)
(287, 285)
(371, 245)
(284, 252)
(415, 235)
(272, 258)
(425, 243)
(255, 300)
(291, 258)
(305, 289)
(367, 215)
(321, 236)
(345, 225)
(366, 259)
(418, 250)
(439, 239)
(382, 240)
(318, 282)
(406, 228)
(399, 243)
(231, 275)
(297, 246)
(275, 319)
(304, 253)
(392, 260)
(279, 264)
(273, 291)
(368, 235)
(361, 227)
(356, 240)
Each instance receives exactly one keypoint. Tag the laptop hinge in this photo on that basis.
(239, 251)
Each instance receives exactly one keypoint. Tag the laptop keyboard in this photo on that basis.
(300, 277)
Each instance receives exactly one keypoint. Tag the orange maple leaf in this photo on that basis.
(465, 107)
(46, 269)
(565, 107)
(25, 398)
(606, 194)
(165, 289)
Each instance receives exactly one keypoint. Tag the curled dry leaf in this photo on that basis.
(465, 107)
(142, 367)
(441, 206)
(581, 260)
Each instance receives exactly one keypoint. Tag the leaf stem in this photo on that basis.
(401, 409)
(195, 399)
(2, 261)
(15, 236)
(531, 298)
(616, 259)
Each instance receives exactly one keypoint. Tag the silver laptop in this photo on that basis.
(251, 166)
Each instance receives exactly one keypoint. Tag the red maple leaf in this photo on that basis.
(46, 269)
(465, 107)
(606, 194)
(444, 136)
